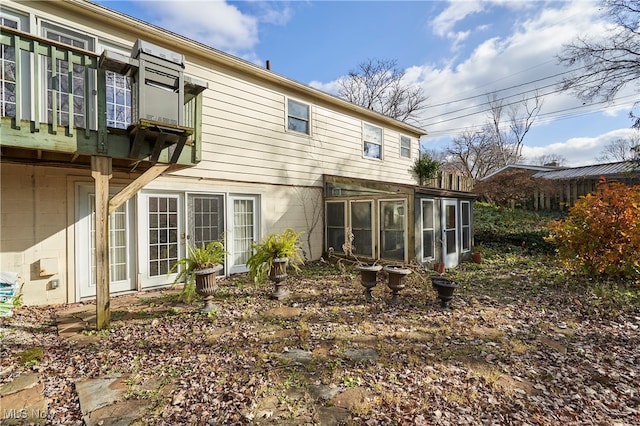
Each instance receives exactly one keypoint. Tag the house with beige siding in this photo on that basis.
(123, 143)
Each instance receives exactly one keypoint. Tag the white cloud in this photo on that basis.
(444, 23)
(502, 64)
(579, 151)
(214, 23)
(217, 23)
(330, 87)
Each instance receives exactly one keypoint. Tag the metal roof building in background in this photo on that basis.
(610, 170)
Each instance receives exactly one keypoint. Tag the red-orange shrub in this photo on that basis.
(601, 234)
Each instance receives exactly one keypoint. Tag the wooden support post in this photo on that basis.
(101, 173)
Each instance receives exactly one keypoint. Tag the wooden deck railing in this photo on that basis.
(451, 182)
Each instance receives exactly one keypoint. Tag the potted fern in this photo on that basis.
(271, 257)
(201, 266)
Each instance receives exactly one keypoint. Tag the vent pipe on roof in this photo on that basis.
(269, 65)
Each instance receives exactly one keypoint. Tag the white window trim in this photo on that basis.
(410, 146)
(462, 226)
(286, 117)
(43, 26)
(433, 228)
(381, 142)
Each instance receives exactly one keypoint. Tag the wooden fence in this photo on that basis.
(450, 182)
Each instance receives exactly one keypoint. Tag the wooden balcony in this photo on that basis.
(57, 112)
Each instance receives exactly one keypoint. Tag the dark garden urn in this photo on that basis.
(368, 278)
(277, 275)
(445, 288)
(395, 283)
(206, 286)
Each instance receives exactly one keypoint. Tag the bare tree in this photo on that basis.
(508, 133)
(474, 154)
(622, 149)
(379, 85)
(609, 61)
(499, 143)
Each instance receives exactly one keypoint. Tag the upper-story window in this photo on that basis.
(118, 87)
(298, 117)
(405, 146)
(372, 141)
(60, 87)
(8, 64)
(118, 92)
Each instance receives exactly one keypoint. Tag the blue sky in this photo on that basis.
(454, 49)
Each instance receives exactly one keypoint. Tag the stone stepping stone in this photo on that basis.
(333, 416)
(298, 356)
(323, 391)
(23, 402)
(361, 355)
(100, 392)
(121, 413)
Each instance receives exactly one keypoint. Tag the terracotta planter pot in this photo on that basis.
(476, 257)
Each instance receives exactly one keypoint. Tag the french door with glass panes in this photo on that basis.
(205, 222)
(121, 246)
(450, 225)
(243, 230)
(428, 230)
(161, 237)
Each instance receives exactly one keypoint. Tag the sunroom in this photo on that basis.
(398, 223)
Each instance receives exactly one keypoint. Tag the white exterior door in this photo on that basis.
(450, 231)
(242, 231)
(161, 237)
(121, 246)
(205, 219)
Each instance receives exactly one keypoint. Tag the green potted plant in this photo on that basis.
(271, 257)
(201, 266)
(424, 167)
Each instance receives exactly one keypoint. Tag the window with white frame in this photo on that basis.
(118, 91)
(8, 64)
(405, 146)
(372, 141)
(8, 75)
(68, 91)
(298, 116)
(118, 100)
(428, 230)
(466, 225)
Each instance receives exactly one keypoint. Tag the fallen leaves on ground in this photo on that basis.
(518, 347)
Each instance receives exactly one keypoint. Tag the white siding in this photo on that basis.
(246, 149)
